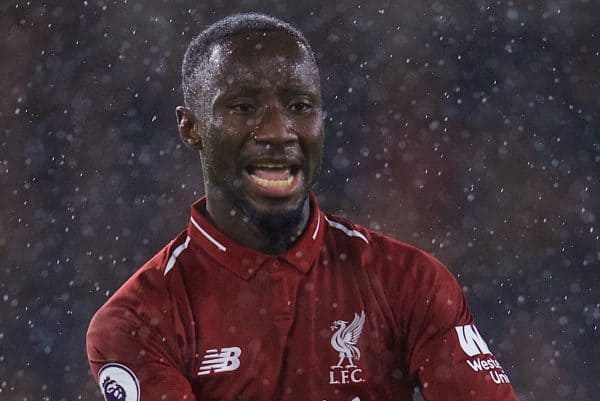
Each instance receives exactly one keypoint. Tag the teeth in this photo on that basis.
(272, 183)
(271, 165)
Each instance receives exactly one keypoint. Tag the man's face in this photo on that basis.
(262, 143)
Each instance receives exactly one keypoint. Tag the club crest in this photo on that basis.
(344, 341)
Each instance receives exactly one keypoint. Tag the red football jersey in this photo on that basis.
(346, 314)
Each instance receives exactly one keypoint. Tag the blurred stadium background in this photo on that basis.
(469, 129)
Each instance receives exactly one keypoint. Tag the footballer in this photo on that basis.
(264, 296)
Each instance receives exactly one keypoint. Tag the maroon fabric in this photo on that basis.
(346, 314)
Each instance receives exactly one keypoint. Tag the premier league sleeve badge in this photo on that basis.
(118, 383)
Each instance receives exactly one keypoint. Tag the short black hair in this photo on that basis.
(199, 47)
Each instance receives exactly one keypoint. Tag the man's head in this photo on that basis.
(198, 52)
(253, 110)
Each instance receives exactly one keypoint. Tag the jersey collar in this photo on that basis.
(245, 262)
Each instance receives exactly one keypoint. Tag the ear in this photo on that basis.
(186, 123)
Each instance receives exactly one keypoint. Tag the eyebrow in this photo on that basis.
(313, 95)
(250, 89)
(257, 89)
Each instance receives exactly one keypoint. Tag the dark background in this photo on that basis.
(467, 128)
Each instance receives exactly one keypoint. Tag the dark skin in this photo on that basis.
(259, 116)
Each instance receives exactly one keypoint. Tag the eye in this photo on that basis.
(242, 108)
(300, 107)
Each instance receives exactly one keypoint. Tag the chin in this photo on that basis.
(274, 213)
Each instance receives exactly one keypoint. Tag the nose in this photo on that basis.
(274, 128)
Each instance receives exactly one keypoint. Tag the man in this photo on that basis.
(264, 296)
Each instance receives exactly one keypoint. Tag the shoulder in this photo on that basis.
(146, 293)
(383, 246)
(410, 283)
(147, 315)
(400, 270)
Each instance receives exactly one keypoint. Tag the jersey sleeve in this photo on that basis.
(448, 355)
(134, 346)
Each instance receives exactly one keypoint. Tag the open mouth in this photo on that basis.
(275, 178)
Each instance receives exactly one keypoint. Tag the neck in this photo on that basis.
(265, 233)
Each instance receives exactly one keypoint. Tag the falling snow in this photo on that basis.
(469, 129)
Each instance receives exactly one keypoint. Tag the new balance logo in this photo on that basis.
(470, 340)
(223, 360)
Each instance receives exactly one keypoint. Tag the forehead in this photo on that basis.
(263, 59)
